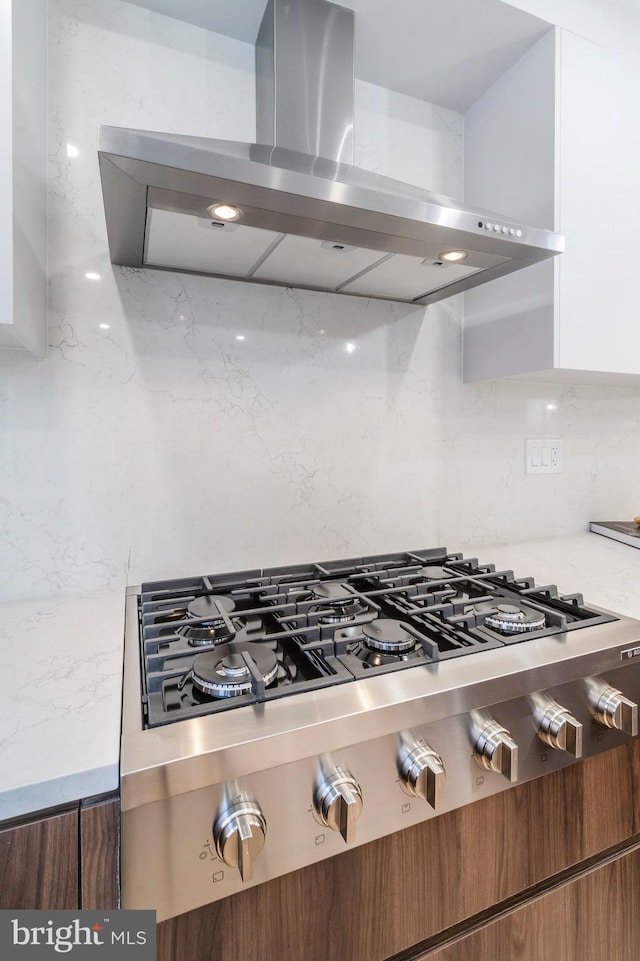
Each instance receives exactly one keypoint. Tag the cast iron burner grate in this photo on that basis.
(225, 641)
(187, 689)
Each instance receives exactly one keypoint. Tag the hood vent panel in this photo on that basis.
(301, 261)
(299, 208)
(407, 278)
(183, 242)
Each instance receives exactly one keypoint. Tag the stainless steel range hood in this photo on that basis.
(305, 216)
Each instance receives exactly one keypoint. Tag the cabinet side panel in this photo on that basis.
(39, 864)
(509, 325)
(509, 140)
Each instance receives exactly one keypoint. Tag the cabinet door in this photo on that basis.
(39, 864)
(599, 161)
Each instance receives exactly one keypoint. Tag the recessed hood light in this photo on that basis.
(224, 211)
(452, 256)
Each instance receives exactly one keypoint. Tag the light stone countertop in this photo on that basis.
(61, 686)
(61, 689)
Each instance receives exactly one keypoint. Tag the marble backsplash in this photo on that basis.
(183, 424)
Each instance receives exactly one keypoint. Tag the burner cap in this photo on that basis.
(386, 634)
(339, 603)
(481, 607)
(223, 672)
(330, 591)
(207, 606)
(211, 627)
(434, 573)
(511, 617)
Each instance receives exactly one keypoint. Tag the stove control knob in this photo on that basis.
(613, 709)
(558, 728)
(423, 774)
(338, 802)
(239, 833)
(496, 750)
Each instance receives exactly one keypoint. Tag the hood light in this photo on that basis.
(224, 211)
(451, 256)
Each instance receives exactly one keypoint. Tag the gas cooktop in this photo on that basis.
(271, 717)
(219, 642)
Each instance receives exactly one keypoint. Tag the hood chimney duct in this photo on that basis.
(305, 79)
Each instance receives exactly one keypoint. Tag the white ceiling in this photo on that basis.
(444, 51)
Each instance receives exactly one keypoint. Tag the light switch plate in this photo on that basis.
(542, 456)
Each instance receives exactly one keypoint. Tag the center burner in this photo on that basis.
(389, 636)
(433, 572)
(509, 617)
(341, 604)
(209, 626)
(225, 672)
(383, 644)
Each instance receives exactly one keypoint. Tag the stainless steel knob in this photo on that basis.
(559, 729)
(338, 802)
(239, 834)
(613, 709)
(423, 774)
(496, 750)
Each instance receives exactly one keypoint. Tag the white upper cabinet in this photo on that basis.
(23, 183)
(556, 141)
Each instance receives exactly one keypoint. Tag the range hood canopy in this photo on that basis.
(302, 215)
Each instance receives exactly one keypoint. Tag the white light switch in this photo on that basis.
(543, 456)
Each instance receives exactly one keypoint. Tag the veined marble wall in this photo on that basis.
(184, 424)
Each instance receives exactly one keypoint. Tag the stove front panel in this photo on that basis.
(172, 847)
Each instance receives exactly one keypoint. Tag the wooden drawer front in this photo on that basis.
(593, 917)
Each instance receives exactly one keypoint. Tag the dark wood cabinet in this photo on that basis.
(39, 863)
(99, 854)
(62, 859)
(385, 898)
(591, 917)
